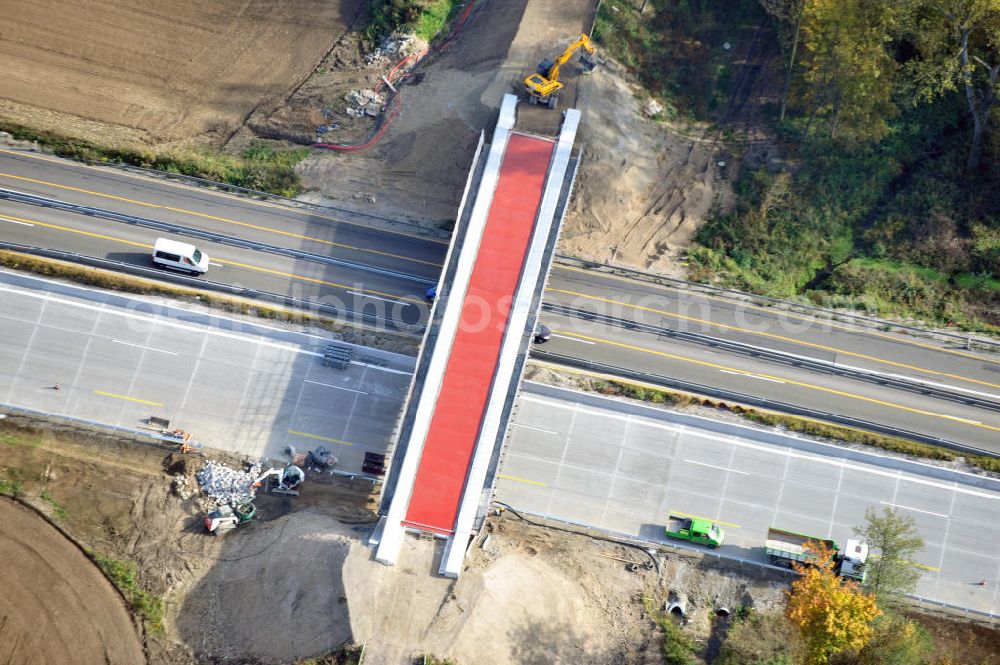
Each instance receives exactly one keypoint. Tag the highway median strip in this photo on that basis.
(114, 281)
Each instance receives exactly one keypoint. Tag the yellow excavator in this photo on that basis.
(543, 86)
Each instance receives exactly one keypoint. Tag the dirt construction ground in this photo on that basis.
(300, 581)
(155, 71)
(56, 606)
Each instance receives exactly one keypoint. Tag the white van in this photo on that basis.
(180, 256)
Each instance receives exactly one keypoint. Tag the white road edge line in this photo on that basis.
(712, 466)
(898, 505)
(213, 263)
(786, 450)
(752, 376)
(365, 295)
(573, 339)
(140, 346)
(330, 385)
(537, 429)
(14, 221)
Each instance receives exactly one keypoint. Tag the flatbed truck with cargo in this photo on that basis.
(787, 547)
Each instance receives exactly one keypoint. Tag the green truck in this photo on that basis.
(785, 547)
(696, 530)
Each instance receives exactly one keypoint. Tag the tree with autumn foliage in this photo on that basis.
(831, 614)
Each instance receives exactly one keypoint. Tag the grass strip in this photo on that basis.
(124, 575)
(263, 165)
(112, 281)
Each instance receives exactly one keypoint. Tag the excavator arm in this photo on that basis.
(543, 85)
(583, 41)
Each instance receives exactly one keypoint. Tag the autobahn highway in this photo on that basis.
(957, 375)
(898, 381)
(380, 265)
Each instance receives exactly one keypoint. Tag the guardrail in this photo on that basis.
(753, 400)
(911, 385)
(355, 317)
(177, 229)
(278, 199)
(966, 341)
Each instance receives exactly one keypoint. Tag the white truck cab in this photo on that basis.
(179, 256)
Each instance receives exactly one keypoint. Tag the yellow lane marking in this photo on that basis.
(520, 480)
(782, 338)
(248, 225)
(792, 382)
(610, 377)
(321, 438)
(77, 231)
(346, 287)
(127, 398)
(709, 519)
(771, 310)
(223, 195)
(922, 566)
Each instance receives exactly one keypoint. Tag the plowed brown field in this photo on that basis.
(160, 70)
(56, 606)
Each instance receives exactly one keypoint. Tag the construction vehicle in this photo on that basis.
(544, 85)
(226, 518)
(696, 530)
(281, 481)
(786, 547)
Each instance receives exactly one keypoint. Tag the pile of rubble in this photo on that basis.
(394, 47)
(227, 485)
(363, 102)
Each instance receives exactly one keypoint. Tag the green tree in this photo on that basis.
(897, 641)
(959, 46)
(831, 614)
(894, 543)
(760, 639)
(847, 69)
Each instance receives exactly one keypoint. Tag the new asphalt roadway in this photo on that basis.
(937, 373)
(624, 467)
(235, 384)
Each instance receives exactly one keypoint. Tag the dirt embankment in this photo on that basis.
(143, 72)
(56, 605)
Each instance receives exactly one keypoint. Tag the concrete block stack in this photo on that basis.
(228, 485)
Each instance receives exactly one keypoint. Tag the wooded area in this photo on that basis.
(884, 196)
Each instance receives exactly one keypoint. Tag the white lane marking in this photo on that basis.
(140, 346)
(330, 385)
(157, 318)
(123, 296)
(752, 376)
(365, 295)
(148, 318)
(537, 429)
(559, 405)
(897, 505)
(213, 263)
(712, 466)
(573, 339)
(921, 381)
(379, 368)
(14, 221)
(788, 452)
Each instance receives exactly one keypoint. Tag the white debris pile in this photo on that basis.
(363, 102)
(393, 48)
(227, 485)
